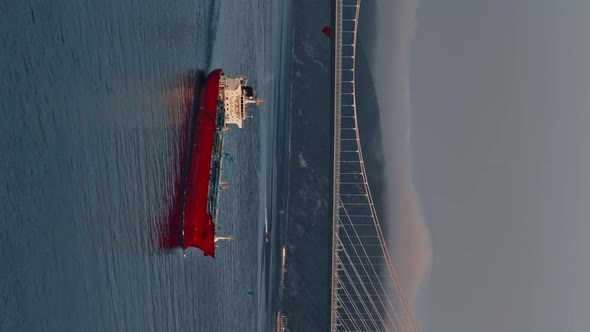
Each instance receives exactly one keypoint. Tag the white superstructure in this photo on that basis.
(236, 95)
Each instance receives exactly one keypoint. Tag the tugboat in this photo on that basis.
(223, 101)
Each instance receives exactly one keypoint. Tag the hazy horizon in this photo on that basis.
(497, 97)
(483, 107)
(387, 45)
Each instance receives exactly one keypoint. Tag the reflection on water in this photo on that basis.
(181, 97)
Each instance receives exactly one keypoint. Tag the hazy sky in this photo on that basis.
(409, 240)
(499, 93)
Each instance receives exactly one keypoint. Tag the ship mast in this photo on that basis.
(226, 238)
(256, 101)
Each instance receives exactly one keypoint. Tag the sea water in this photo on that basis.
(87, 165)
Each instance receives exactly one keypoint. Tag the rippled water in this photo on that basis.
(88, 142)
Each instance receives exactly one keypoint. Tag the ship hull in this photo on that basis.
(198, 226)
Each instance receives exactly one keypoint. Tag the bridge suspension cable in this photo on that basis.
(366, 293)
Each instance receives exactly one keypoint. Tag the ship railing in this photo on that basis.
(215, 183)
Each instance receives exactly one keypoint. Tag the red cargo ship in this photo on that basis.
(223, 101)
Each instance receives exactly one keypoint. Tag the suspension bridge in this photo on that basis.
(366, 293)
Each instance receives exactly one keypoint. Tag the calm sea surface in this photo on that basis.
(87, 145)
